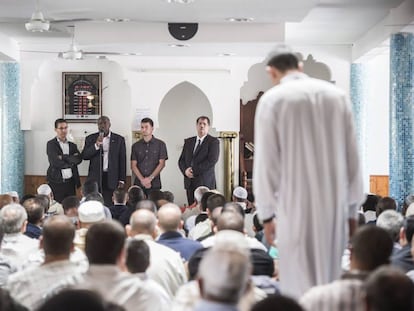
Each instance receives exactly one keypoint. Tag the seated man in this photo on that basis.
(104, 248)
(137, 263)
(119, 197)
(70, 206)
(35, 215)
(388, 289)
(169, 221)
(32, 285)
(403, 258)
(90, 212)
(166, 267)
(371, 248)
(54, 206)
(16, 246)
(392, 222)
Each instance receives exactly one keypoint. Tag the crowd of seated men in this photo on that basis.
(147, 253)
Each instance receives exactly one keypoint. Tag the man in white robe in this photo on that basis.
(306, 174)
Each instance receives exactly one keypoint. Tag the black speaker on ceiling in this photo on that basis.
(182, 31)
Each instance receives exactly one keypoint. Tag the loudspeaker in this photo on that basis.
(182, 31)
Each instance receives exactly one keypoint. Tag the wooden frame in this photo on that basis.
(82, 96)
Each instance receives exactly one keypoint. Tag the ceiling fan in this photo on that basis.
(38, 22)
(74, 53)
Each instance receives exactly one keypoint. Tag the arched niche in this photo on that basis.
(177, 116)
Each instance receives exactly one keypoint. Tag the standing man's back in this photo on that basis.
(306, 168)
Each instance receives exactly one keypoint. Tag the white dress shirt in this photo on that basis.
(64, 145)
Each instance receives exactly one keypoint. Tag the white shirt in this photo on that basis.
(341, 295)
(122, 288)
(105, 149)
(64, 145)
(199, 230)
(17, 247)
(252, 242)
(32, 286)
(166, 266)
(307, 172)
(199, 140)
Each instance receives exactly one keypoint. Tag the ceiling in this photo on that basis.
(298, 22)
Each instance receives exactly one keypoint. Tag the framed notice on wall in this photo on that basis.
(82, 96)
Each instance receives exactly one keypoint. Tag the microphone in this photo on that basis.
(101, 133)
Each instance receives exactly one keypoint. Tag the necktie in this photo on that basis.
(198, 145)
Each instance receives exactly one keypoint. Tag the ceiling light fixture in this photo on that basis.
(37, 23)
(180, 1)
(116, 20)
(240, 19)
(226, 54)
(179, 45)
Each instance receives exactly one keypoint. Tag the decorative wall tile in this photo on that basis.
(359, 98)
(401, 116)
(12, 141)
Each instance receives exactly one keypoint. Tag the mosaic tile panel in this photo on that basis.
(12, 142)
(359, 99)
(401, 116)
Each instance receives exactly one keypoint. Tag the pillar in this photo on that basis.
(401, 116)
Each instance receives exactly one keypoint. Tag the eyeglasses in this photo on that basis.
(62, 128)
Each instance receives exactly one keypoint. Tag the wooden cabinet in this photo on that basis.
(247, 114)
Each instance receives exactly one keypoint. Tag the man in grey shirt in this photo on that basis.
(148, 156)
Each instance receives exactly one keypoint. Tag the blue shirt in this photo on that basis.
(177, 242)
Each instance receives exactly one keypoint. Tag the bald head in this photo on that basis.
(230, 221)
(169, 217)
(142, 221)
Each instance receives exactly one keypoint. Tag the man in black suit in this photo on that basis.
(198, 158)
(107, 154)
(64, 157)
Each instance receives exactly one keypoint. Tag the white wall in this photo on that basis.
(377, 144)
(42, 105)
(188, 102)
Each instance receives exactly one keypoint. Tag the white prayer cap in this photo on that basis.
(44, 189)
(13, 194)
(240, 193)
(91, 212)
(410, 210)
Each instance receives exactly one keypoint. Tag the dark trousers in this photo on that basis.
(105, 191)
(63, 189)
(190, 196)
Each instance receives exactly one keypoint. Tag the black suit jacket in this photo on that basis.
(58, 161)
(202, 162)
(116, 159)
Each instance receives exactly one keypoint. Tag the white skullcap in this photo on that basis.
(91, 212)
(240, 193)
(44, 189)
(13, 194)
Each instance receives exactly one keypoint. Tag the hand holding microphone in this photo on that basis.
(99, 139)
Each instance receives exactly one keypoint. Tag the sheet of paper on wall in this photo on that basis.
(140, 113)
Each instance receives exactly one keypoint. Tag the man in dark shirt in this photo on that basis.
(148, 157)
(119, 198)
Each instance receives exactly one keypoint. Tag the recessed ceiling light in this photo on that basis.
(180, 1)
(131, 54)
(117, 20)
(240, 19)
(179, 45)
(226, 54)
